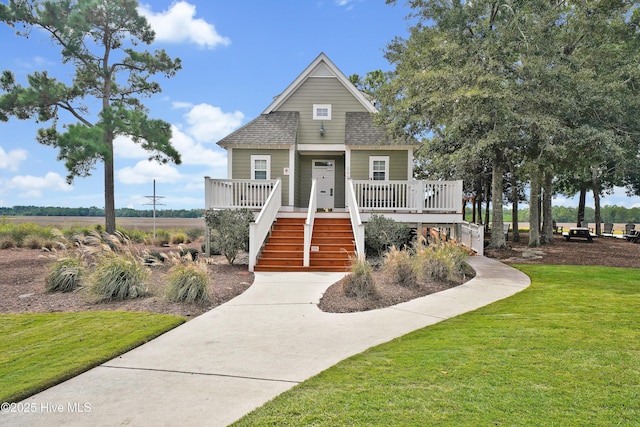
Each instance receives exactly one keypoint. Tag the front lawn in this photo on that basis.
(565, 351)
(41, 350)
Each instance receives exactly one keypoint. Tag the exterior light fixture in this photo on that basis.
(321, 130)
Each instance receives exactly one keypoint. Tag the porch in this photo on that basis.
(434, 204)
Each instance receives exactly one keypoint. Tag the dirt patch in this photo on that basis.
(605, 251)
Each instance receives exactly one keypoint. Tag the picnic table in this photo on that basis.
(582, 232)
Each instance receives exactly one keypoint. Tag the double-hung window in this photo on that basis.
(261, 167)
(379, 168)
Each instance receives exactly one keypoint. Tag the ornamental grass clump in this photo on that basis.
(360, 283)
(399, 268)
(65, 275)
(441, 260)
(118, 277)
(188, 282)
(118, 269)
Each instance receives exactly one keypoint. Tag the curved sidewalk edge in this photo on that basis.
(214, 369)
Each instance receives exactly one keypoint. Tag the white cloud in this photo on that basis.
(33, 186)
(208, 123)
(124, 147)
(12, 159)
(145, 171)
(178, 25)
(193, 153)
(181, 105)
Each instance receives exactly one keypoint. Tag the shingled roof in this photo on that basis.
(278, 127)
(360, 130)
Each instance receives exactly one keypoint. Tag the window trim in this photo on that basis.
(316, 107)
(384, 159)
(256, 157)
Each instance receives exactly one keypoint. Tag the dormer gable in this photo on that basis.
(322, 66)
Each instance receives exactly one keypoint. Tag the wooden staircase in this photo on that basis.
(331, 245)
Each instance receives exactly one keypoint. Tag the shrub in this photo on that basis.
(136, 236)
(232, 226)
(195, 233)
(7, 243)
(178, 238)
(188, 283)
(118, 277)
(381, 233)
(360, 283)
(33, 242)
(65, 275)
(399, 268)
(190, 253)
(162, 238)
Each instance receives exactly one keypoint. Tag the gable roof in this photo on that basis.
(279, 127)
(321, 66)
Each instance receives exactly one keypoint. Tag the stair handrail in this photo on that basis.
(356, 222)
(259, 229)
(308, 224)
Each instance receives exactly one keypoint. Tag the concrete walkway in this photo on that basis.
(223, 364)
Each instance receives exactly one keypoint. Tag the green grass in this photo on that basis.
(41, 350)
(564, 352)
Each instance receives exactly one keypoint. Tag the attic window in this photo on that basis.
(321, 111)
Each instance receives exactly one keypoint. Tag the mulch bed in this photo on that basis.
(23, 271)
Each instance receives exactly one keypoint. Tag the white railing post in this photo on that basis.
(308, 225)
(259, 230)
(356, 222)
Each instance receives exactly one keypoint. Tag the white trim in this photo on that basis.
(322, 147)
(322, 58)
(265, 157)
(292, 175)
(409, 165)
(230, 163)
(384, 159)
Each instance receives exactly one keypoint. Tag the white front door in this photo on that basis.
(324, 174)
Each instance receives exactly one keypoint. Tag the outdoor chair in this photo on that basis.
(608, 228)
(629, 228)
(585, 224)
(557, 229)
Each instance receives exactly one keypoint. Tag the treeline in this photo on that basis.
(99, 212)
(614, 214)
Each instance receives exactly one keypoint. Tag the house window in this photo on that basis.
(379, 168)
(321, 111)
(260, 167)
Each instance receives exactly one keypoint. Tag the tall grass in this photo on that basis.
(360, 283)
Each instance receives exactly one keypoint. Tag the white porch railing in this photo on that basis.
(356, 221)
(259, 230)
(409, 196)
(308, 225)
(472, 236)
(237, 193)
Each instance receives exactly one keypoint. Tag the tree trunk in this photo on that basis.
(547, 220)
(595, 184)
(497, 234)
(534, 213)
(487, 198)
(581, 204)
(109, 196)
(514, 208)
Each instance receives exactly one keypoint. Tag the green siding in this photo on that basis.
(241, 168)
(397, 163)
(322, 90)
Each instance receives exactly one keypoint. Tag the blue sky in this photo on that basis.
(236, 56)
